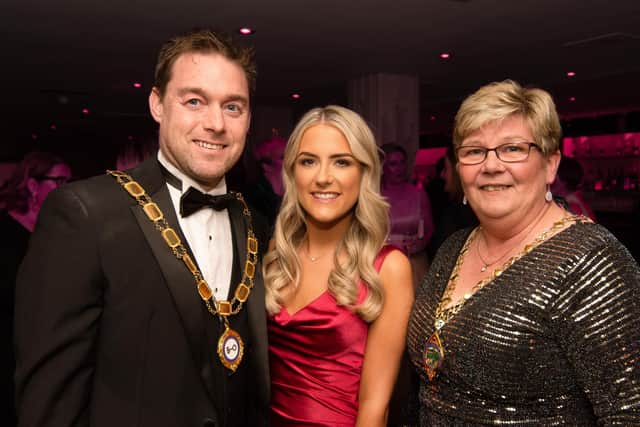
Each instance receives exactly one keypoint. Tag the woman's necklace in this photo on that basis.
(501, 257)
(486, 264)
(433, 354)
(313, 258)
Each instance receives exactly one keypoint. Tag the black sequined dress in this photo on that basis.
(554, 340)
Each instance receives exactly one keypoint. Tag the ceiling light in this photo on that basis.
(137, 85)
(85, 111)
(295, 95)
(246, 31)
(445, 55)
(571, 73)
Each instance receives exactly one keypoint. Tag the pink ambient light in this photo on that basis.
(295, 95)
(571, 73)
(445, 55)
(137, 85)
(572, 99)
(85, 111)
(246, 31)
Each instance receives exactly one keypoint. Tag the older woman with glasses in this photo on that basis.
(531, 318)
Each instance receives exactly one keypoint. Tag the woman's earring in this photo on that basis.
(548, 196)
(464, 199)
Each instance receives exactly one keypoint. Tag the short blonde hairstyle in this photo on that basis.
(499, 100)
(366, 233)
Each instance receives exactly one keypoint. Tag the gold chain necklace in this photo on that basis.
(488, 264)
(230, 344)
(433, 353)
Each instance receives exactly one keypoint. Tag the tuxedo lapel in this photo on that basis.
(179, 280)
(239, 236)
(255, 304)
(258, 328)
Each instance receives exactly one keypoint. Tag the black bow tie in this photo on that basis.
(193, 200)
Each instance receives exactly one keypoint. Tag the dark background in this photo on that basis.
(62, 57)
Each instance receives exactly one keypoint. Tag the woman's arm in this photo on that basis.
(385, 342)
(598, 323)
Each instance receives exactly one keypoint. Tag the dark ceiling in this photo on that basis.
(61, 57)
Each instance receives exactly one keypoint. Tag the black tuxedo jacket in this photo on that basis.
(110, 330)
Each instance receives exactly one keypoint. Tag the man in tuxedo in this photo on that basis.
(140, 302)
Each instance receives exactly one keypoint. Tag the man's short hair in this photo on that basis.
(203, 41)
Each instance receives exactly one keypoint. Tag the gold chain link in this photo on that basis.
(222, 308)
(443, 315)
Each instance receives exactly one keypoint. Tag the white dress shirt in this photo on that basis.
(208, 232)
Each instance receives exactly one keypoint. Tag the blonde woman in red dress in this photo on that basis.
(338, 298)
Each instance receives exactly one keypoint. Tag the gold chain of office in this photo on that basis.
(222, 308)
(443, 314)
(434, 353)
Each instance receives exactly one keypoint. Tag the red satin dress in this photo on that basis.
(315, 358)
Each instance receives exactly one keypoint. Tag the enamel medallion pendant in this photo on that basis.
(230, 349)
(433, 355)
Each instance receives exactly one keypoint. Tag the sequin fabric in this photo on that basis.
(554, 340)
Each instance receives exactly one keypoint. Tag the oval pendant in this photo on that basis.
(433, 355)
(230, 349)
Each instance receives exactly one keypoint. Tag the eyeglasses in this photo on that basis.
(59, 180)
(511, 152)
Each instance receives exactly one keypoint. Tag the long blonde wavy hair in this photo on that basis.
(365, 235)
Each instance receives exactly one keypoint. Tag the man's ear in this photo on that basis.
(155, 105)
